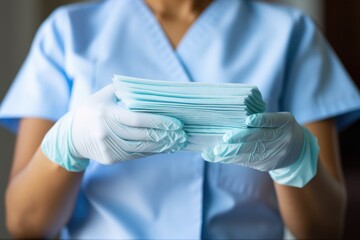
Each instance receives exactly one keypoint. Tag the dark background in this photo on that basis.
(343, 31)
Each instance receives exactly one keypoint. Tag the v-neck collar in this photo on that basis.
(196, 34)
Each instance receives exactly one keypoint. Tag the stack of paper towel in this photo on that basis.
(208, 110)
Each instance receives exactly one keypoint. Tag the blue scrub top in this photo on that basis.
(80, 47)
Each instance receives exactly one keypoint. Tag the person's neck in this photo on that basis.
(177, 9)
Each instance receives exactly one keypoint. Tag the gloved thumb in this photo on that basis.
(269, 120)
(106, 94)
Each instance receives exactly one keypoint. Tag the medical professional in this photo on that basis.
(104, 172)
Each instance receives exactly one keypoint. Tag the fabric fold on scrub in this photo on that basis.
(208, 110)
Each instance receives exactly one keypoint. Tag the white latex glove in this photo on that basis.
(272, 141)
(108, 133)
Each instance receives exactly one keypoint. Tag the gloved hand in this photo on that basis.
(103, 131)
(273, 142)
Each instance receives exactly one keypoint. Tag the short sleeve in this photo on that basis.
(41, 88)
(317, 85)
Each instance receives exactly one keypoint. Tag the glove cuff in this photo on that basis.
(57, 146)
(304, 168)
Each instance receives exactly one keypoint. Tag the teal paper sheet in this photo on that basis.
(208, 110)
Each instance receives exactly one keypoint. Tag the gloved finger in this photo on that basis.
(261, 161)
(269, 120)
(208, 155)
(252, 135)
(151, 147)
(144, 120)
(145, 134)
(242, 135)
(231, 150)
(106, 94)
(115, 154)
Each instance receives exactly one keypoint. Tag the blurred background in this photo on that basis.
(337, 19)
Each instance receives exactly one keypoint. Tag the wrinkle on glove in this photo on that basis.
(102, 131)
(305, 167)
(275, 143)
(57, 145)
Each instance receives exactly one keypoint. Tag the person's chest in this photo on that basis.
(212, 50)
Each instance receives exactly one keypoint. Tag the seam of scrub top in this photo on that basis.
(161, 42)
(346, 105)
(196, 31)
(205, 24)
(199, 32)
